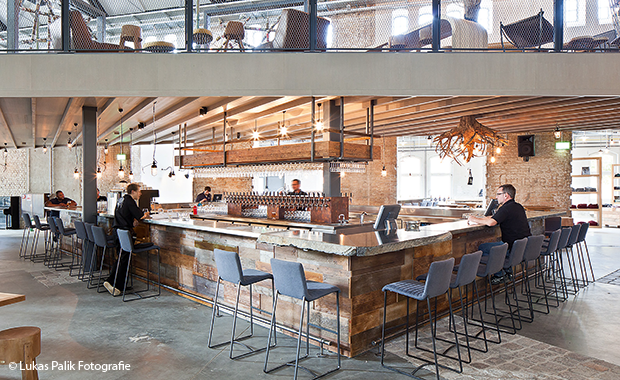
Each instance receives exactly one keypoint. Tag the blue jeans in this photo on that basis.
(486, 249)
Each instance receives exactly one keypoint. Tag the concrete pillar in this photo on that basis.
(331, 112)
(89, 164)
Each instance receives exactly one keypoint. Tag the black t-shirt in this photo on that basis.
(512, 221)
(201, 197)
(126, 211)
(299, 193)
(102, 198)
(56, 201)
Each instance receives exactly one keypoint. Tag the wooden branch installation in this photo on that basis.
(468, 140)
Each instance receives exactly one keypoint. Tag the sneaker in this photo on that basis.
(113, 291)
(496, 280)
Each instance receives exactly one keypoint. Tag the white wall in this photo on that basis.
(170, 191)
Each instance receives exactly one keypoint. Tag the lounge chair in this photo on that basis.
(531, 32)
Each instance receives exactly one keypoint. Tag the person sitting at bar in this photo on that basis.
(60, 201)
(512, 221)
(296, 185)
(101, 198)
(204, 196)
(126, 216)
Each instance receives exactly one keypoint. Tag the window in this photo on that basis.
(329, 38)
(455, 10)
(255, 35)
(604, 12)
(425, 15)
(441, 178)
(575, 12)
(485, 15)
(400, 21)
(410, 179)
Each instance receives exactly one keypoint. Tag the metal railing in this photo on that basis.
(308, 25)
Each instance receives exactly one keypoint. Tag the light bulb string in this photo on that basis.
(154, 133)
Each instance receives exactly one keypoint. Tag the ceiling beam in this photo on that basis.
(71, 108)
(8, 129)
(143, 104)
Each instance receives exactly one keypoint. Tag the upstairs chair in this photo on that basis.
(293, 32)
(131, 33)
(290, 280)
(437, 284)
(234, 31)
(585, 43)
(229, 269)
(531, 32)
(82, 39)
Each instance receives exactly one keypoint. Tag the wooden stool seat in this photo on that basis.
(131, 33)
(159, 46)
(21, 344)
(202, 36)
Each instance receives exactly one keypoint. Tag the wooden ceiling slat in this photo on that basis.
(143, 104)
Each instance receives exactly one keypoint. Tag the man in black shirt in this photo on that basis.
(205, 196)
(511, 219)
(101, 198)
(126, 216)
(60, 201)
(296, 185)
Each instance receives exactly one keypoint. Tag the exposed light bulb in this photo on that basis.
(154, 169)
(44, 148)
(283, 130)
(557, 133)
(171, 175)
(130, 175)
(255, 135)
(429, 141)
(320, 126)
(99, 173)
(498, 150)
(462, 146)
(105, 149)
(121, 172)
(342, 174)
(69, 143)
(76, 174)
(383, 172)
(492, 159)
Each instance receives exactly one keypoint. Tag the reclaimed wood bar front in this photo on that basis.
(360, 264)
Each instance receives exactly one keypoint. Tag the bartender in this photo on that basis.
(205, 196)
(101, 198)
(296, 185)
(60, 201)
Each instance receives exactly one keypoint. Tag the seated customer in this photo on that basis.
(205, 196)
(126, 216)
(511, 219)
(60, 201)
(101, 198)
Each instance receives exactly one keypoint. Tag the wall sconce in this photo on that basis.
(154, 168)
(99, 173)
(203, 111)
(76, 174)
(383, 172)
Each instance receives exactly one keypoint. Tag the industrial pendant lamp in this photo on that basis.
(69, 140)
(44, 146)
(76, 173)
(99, 173)
(319, 123)
(154, 165)
(105, 147)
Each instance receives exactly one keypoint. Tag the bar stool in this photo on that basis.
(127, 245)
(104, 242)
(562, 244)
(512, 260)
(55, 256)
(290, 280)
(131, 33)
(89, 258)
(229, 269)
(80, 233)
(38, 227)
(547, 255)
(465, 275)
(531, 254)
(570, 257)
(582, 248)
(437, 284)
(71, 232)
(21, 345)
(494, 263)
(23, 248)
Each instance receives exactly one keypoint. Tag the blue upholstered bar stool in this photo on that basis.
(229, 269)
(55, 258)
(494, 263)
(80, 233)
(570, 258)
(437, 284)
(71, 232)
(34, 256)
(124, 236)
(290, 280)
(103, 242)
(89, 258)
(547, 268)
(582, 248)
(23, 247)
(513, 259)
(562, 244)
(531, 256)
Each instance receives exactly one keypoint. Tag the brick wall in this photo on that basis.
(371, 188)
(220, 185)
(543, 181)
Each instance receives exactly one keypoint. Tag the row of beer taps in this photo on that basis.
(312, 199)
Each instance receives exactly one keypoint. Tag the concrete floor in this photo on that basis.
(166, 337)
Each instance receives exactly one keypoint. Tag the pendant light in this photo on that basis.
(283, 129)
(319, 123)
(105, 147)
(154, 164)
(69, 140)
(383, 172)
(44, 146)
(99, 173)
(255, 134)
(76, 173)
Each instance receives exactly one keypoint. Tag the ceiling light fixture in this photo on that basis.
(319, 124)
(429, 140)
(557, 133)
(99, 173)
(383, 172)
(69, 141)
(76, 173)
(255, 134)
(44, 146)
(121, 172)
(105, 147)
(203, 111)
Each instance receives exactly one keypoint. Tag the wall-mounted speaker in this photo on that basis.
(525, 146)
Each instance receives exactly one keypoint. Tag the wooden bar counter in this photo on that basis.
(359, 263)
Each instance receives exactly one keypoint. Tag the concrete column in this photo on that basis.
(89, 164)
(331, 112)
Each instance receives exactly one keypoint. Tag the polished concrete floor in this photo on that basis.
(165, 337)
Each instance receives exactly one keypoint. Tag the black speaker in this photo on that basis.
(525, 146)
